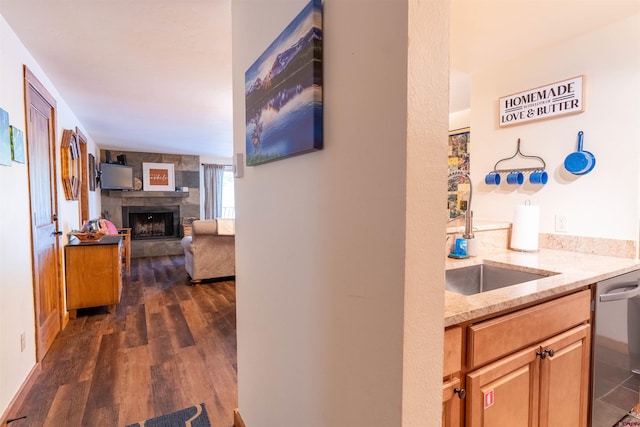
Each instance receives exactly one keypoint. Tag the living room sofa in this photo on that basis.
(209, 253)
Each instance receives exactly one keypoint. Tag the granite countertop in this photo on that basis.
(575, 270)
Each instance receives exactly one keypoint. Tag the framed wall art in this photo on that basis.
(158, 177)
(91, 172)
(5, 139)
(17, 144)
(283, 92)
(458, 188)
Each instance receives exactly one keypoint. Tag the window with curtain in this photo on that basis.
(219, 201)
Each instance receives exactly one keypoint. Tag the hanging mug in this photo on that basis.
(515, 178)
(538, 177)
(492, 178)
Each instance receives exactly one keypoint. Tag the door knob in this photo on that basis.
(462, 393)
(57, 233)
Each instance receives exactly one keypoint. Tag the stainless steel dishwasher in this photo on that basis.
(616, 350)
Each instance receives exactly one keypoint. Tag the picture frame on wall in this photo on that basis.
(283, 92)
(158, 177)
(17, 145)
(5, 139)
(458, 161)
(91, 171)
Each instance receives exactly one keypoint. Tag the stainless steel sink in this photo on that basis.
(484, 277)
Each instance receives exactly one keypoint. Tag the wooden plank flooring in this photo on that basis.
(168, 345)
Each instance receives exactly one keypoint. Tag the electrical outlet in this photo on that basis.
(23, 342)
(561, 223)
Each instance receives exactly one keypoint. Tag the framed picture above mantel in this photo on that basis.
(158, 177)
(544, 102)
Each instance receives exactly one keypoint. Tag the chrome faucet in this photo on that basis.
(468, 214)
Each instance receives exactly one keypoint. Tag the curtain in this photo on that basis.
(213, 190)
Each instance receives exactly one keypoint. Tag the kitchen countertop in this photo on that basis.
(576, 270)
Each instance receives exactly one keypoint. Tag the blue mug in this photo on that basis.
(538, 177)
(515, 178)
(492, 178)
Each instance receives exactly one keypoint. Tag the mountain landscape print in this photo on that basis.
(283, 92)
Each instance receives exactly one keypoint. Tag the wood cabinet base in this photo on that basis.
(94, 274)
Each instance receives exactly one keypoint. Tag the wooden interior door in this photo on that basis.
(41, 152)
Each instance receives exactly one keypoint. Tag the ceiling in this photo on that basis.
(148, 75)
(155, 75)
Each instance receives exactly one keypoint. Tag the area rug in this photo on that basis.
(194, 416)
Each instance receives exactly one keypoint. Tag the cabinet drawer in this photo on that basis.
(452, 350)
(497, 337)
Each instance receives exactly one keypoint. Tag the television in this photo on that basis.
(114, 176)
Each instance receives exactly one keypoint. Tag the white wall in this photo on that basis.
(603, 203)
(459, 119)
(331, 243)
(16, 287)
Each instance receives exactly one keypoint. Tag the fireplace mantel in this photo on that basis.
(138, 194)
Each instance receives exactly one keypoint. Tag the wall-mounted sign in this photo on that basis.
(553, 100)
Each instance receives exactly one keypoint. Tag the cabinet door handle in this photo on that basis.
(543, 354)
(462, 393)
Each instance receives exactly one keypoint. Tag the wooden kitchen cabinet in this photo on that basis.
(504, 393)
(452, 390)
(527, 367)
(525, 389)
(451, 403)
(564, 379)
(93, 273)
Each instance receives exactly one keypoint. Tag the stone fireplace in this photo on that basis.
(154, 216)
(151, 222)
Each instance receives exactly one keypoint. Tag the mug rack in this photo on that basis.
(516, 154)
(537, 175)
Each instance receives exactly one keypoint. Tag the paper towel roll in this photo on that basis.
(524, 232)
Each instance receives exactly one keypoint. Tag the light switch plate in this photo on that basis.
(238, 165)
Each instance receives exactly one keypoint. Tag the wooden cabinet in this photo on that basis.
(544, 385)
(564, 379)
(495, 338)
(504, 393)
(452, 390)
(451, 403)
(93, 273)
(529, 367)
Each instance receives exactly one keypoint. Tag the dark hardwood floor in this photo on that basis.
(168, 345)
